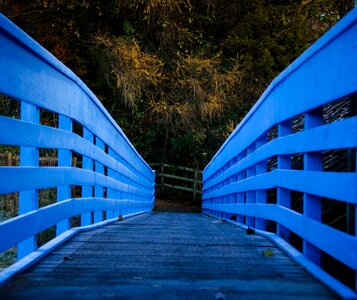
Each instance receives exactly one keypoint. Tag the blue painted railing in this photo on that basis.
(114, 178)
(242, 176)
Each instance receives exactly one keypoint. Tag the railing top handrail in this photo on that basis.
(17, 34)
(349, 20)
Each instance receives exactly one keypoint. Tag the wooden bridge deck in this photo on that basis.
(166, 256)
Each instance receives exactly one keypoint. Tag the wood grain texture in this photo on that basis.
(166, 256)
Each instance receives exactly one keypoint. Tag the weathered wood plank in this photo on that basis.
(166, 255)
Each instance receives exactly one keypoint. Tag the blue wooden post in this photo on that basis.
(118, 193)
(29, 156)
(86, 218)
(153, 190)
(355, 208)
(98, 190)
(232, 197)
(110, 192)
(64, 160)
(226, 199)
(312, 203)
(284, 195)
(240, 196)
(261, 168)
(250, 221)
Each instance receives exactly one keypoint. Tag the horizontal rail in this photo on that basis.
(338, 135)
(21, 133)
(251, 178)
(43, 218)
(16, 179)
(343, 188)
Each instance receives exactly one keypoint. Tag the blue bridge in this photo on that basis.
(261, 234)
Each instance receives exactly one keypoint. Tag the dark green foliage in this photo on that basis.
(177, 75)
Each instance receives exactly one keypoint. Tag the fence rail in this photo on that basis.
(91, 151)
(273, 175)
(191, 181)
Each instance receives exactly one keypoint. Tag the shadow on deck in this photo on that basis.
(166, 256)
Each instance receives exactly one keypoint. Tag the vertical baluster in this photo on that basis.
(355, 234)
(261, 168)
(29, 156)
(284, 195)
(86, 218)
(153, 190)
(64, 160)
(118, 193)
(354, 206)
(312, 203)
(98, 190)
(231, 197)
(226, 197)
(218, 200)
(137, 197)
(251, 194)
(240, 196)
(130, 195)
(111, 192)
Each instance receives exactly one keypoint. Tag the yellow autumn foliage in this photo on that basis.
(131, 69)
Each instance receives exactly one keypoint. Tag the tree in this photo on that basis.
(177, 75)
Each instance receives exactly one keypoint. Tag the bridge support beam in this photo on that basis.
(250, 221)
(111, 192)
(64, 160)
(312, 204)
(98, 190)
(118, 194)
(240, 195)
(86, 218)
(261, 195)
(29, 156)
(284, 195)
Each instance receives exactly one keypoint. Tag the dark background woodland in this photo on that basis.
(177, 75)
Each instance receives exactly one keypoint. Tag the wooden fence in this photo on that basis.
(179, 178)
